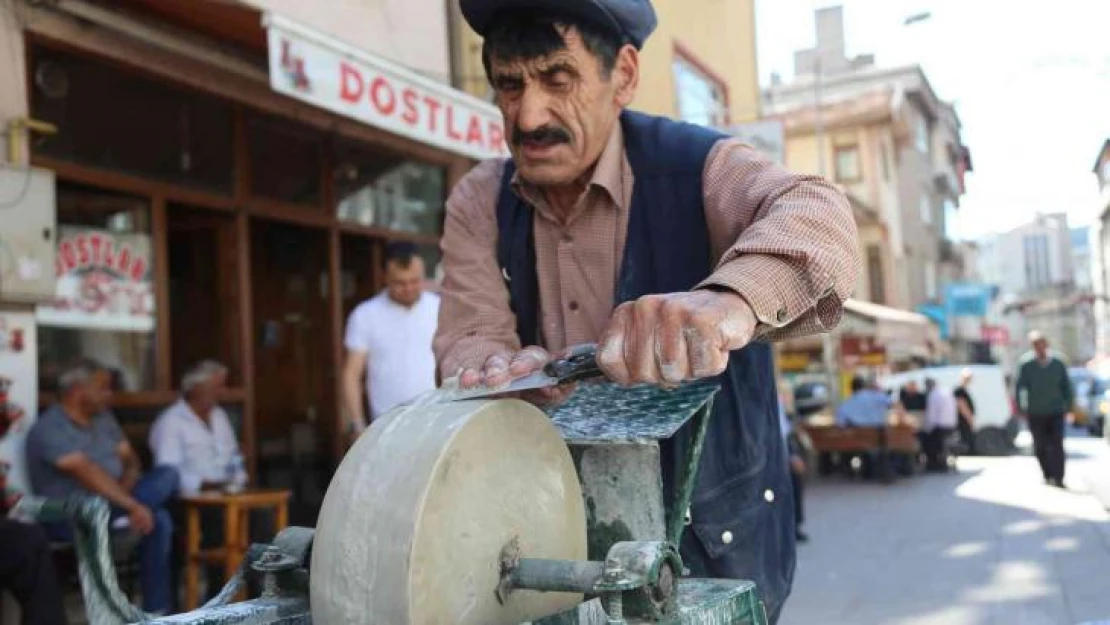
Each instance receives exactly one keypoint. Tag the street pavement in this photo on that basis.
(987, 545)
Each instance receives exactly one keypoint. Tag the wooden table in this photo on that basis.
(236, 508)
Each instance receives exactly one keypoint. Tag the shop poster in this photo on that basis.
(18, 395)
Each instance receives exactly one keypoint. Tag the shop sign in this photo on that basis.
(18, 395)
(103, 282)
(313, 67)
(861, 351)
(996, 335)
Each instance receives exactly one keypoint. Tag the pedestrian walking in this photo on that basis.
(1044, 396)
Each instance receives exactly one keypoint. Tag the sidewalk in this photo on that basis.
(990, 545)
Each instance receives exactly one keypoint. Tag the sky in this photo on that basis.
(1030, 81)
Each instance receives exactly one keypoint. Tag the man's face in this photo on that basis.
(560, 109)
(96, 393)
(1040, 347)
(209, 393)
(405, 284)
(911, 387)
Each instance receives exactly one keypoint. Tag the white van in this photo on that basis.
(995, 424)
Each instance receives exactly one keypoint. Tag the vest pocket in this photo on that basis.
(731, 517)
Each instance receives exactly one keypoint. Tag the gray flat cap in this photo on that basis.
(634, 20)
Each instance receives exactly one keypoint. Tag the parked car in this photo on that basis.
(1092, 398)
(996, 426)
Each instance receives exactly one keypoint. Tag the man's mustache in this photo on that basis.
(543, 135)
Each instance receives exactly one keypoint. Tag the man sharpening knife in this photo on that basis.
(670, 245)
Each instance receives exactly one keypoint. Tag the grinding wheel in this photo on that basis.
(415, 520)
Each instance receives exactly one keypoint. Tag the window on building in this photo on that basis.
(926, 208)
(847, 164)
(1037, 267)
(702, 98)
(104, 300)
(285, 161)
(921, 135)
(876, 284)
(376, 188)
(111, 119)
(930, 281)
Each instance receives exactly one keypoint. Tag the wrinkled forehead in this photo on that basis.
(541, 60)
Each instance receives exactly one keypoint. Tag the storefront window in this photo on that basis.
(115, 120)
(374, 188)
(104, 301)
(285, 162)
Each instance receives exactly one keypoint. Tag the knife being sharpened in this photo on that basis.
(580, 363)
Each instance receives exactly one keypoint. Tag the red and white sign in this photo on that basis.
(996, 335)
(310, 66)
(103, 282)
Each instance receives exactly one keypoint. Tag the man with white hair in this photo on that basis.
(195, 436)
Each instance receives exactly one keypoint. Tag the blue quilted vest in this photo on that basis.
(743, 519)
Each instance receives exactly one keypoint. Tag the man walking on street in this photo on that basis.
(671, 245)
(389, 340)
(1044, 396)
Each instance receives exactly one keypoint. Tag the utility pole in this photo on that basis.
(828, 344)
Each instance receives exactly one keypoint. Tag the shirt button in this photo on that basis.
(781, 315)
(566, 238)
(769, 495)
(726, 537)
(573, 306)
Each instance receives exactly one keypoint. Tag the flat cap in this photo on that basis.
(633, 20)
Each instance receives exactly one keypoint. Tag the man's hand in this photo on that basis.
(1069, 418)
(797, 465)
(504, 367)
(142, 521)
(673, 338)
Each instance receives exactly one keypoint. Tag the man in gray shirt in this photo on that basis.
(77, 448)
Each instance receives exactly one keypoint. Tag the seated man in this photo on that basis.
(194, 435)
(77, 448)
(867, 407)
(26, 566)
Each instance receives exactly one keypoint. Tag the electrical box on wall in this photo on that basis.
(27, 235)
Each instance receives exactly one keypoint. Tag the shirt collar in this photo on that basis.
(607, 175)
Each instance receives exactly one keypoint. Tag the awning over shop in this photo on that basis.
(904, 333)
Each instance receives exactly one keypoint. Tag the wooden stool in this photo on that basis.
(236, 509)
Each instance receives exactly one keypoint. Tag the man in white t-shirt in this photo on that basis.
(389, 340)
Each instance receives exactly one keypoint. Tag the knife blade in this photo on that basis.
(580, 363)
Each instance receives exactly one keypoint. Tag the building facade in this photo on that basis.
(225, 176)
(1100, 255)
(1042, 279)
(888, 139)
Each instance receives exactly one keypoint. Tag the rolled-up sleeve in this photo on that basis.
(475, 319)
(786, 243)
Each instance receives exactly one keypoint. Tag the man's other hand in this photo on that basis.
(142, 521)
(504, 367)
(676, 337)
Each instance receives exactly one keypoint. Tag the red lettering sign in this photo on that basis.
(381, 94)
(351, 85)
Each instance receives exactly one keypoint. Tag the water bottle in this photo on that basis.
(235, 473)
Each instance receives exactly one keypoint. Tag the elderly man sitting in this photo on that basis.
(77, 448)
(195, 435)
